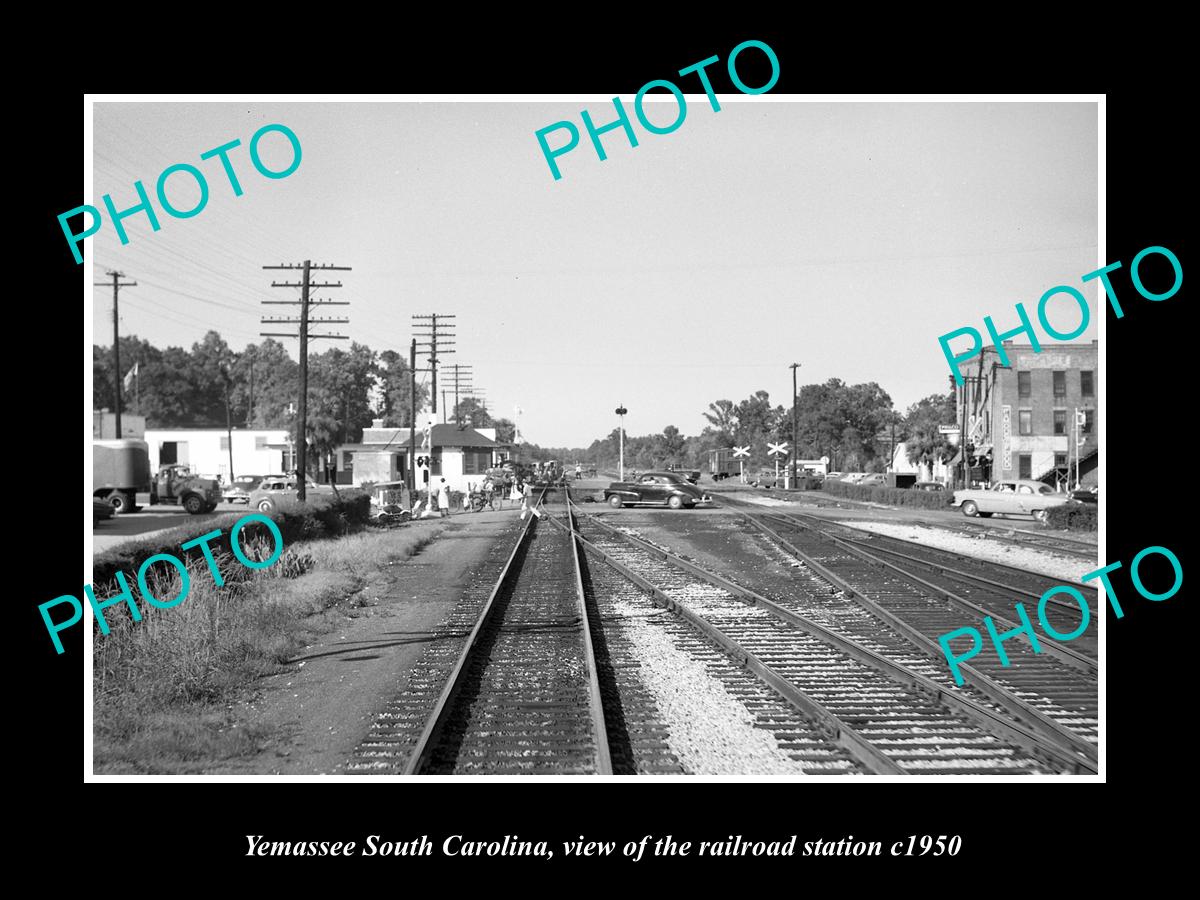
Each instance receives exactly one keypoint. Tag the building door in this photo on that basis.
(1024, 465)
(173, 452)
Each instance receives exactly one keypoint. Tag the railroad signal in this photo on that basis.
(780, 449)
(741, 451)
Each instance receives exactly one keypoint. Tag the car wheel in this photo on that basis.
(1041, 515)
(194, 504)
(970, 508)
(675, 502)
(265, 505)
(119, 503)
(615, 502)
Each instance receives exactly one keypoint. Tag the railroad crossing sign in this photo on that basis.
(741, 451)
(780, 449)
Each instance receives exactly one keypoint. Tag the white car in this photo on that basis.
(1031, 498)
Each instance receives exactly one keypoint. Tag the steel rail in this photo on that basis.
(595, 700)
(968, 576)
(1051, 647)
(988, 686)
(827, 723)
(1038, 745)
(433, 725)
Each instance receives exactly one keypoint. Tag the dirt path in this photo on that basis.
(320, 708)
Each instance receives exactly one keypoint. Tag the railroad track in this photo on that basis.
(971, 582)
(546, 676)
(1006, 533)
(1054, 692)
(882, 701)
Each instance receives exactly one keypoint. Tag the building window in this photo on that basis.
(1024, 384)
(224, 442)
(1089, 421)
(1024, 465)
(1060, 384)
(1060, 421)
(1060, 460)
(476, 462)
(1087, 384)
(348, 461)
(1025, 421)
(260, 442)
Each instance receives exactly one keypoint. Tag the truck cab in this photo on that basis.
(177, 485)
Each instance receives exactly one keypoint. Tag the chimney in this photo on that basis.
(377, 423)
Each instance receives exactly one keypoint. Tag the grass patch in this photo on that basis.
(161, 686)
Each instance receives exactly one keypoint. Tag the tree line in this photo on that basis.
(851, 424)
(258, 387)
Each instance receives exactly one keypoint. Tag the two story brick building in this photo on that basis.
(1021, 417)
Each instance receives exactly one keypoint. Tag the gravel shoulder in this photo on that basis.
(321, 707)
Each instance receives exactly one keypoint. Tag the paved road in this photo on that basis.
(151, 520)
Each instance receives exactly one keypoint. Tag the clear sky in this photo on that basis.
(846, 237)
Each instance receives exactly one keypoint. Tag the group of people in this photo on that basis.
(521, 489)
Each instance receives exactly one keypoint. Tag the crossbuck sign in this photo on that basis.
(778, 449)
(741, 451)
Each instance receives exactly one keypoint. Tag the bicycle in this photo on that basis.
(480, 499)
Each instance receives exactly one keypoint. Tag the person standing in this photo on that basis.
(444, 498)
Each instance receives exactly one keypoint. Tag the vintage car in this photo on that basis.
(1030, 498)
(101, 510)
(692, 475)
(875, 479)
(668, 489)
(267, 495)
(1086, 495)
(239, 490)
(930, 486)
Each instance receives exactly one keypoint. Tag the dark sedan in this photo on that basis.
(670, 489)
(1086, 495)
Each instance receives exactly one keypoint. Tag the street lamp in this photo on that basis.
(621, 411)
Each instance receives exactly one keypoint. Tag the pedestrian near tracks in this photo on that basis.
(444, 498)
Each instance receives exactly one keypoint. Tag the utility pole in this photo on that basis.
(795, 419)
(436, 341)
(117, 284)
(412, 421)
(228, 421)
(250, 403)
(462, 385)
(621, 411)
(305, 287)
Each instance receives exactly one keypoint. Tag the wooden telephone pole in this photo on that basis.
(306, 285)
(117, 284)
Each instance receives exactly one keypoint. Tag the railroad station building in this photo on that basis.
(460, 455)
(1021, 417)
(256, 451)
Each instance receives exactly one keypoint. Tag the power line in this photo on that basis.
(305, 286)
(427, 327)
(117, 284)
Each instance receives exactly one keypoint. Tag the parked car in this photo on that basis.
(692, 475)
(1031, 498)
(854, 477)
(876, 479)
(931, 486)
(668, 489)
(239, 490)
(267, 495)
(101, 509)
(1086, 495)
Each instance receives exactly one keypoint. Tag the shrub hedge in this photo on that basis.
(890, 496)
(1074, 516)
(321, 516)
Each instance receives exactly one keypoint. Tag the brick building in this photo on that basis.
(1020, 417)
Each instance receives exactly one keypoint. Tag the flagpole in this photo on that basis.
(137, 388)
